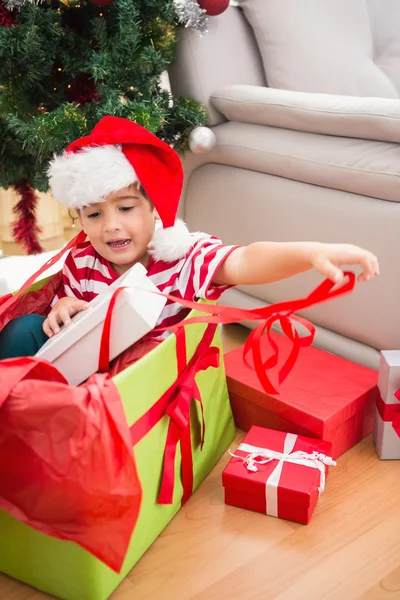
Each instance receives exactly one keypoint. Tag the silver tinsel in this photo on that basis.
(191, 15)
(17, 4)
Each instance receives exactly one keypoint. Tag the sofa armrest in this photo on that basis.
(347, 116)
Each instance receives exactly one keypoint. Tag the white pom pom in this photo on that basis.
(202, 140)
(171, 243)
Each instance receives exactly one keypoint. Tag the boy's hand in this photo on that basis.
(61, 314)
(327, 258)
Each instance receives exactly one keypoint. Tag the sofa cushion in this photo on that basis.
(348, 47)
(363, 167)
(330, 114)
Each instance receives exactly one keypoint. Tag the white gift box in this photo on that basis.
(75, 350)
(386, 439)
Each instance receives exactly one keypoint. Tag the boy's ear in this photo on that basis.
(157, 216)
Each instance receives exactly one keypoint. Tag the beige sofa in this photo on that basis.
(314, 156)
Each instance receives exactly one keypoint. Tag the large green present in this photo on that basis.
(155, 385)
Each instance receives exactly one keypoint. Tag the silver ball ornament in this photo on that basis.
(202, 140)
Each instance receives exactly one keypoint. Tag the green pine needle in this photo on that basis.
(120, 53)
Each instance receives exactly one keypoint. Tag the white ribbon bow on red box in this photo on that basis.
(260, 456)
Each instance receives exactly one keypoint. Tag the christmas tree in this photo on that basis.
(64, 64)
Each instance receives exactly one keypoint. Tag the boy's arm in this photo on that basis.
(266, 262)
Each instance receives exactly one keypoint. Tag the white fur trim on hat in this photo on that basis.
(79, 179)
(172, 243)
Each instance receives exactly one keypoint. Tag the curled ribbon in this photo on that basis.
(260, 456)
(282, 313)
(176, 401)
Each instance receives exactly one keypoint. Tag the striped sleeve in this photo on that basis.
(72, 279)
(201, 265)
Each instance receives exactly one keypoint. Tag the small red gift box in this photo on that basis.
(325, 396)
(278, 474)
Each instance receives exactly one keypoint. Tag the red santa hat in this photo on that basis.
(115, 155)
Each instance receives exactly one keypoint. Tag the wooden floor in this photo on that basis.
(349, 551)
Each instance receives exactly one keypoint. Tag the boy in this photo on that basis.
(126, 184)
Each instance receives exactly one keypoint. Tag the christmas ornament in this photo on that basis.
(7, 17)
(56, 72)
(82, 89)
(25, 228)
(202, 140)
(73, 218)
(213, 7)
(16, 4)
(191, 15)
(101, 2)
(71, 3)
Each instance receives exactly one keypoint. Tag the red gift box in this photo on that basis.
(276, 473)
(325, 396)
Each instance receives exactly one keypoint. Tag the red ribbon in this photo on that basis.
(389, 412)
(9, 299)
(104, 355)
(175, 403)
(281, 312)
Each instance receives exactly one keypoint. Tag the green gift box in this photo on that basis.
(66, 570)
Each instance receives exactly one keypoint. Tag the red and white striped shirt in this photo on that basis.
(86, 274)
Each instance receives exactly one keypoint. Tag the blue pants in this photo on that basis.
(22, 336)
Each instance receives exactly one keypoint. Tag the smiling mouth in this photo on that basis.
(118, 243)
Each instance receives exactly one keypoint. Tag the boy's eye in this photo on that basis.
(126, 208)
(93, 215)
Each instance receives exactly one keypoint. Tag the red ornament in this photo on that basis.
(213, 7)
(83, 90)
(25, 228)
(101, 2)
(7, 17)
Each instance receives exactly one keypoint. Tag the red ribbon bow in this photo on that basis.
(184, 391)
(175, 403)
(281, 312)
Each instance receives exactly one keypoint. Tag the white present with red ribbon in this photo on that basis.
(75, 350)
(387, 416)
(278, 474)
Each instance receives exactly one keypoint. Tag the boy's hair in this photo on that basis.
(141, 190)
(144, 194)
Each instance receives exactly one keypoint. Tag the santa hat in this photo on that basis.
(116, 154)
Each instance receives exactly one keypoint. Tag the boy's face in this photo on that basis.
(121, 227)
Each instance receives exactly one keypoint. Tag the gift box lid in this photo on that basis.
(295, 478)
(148, 307)
(321, 392)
